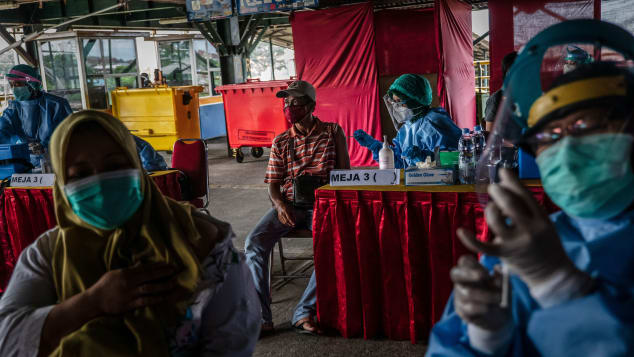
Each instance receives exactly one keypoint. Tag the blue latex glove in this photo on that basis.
(364, 139)
(415, 154)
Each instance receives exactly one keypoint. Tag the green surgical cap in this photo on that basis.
(414, 87)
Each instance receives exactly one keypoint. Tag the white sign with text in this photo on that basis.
(365, 177)
(32, 180)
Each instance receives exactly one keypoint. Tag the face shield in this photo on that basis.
(399, 112)
(577, 124)
(568, 57)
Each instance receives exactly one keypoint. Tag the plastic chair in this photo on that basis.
(300, 272)
(190, 157)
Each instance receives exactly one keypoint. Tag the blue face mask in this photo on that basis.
(107, 200)
(589, 176)
(21, 93)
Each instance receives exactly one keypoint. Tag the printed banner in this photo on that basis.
(246, 7)
(204, 10)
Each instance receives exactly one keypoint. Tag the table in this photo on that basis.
(383, 254)
(25, 213)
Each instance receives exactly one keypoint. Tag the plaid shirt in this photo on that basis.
(315, 155)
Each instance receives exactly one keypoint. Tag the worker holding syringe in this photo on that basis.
(571, 288)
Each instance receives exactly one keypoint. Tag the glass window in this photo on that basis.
(175, 62)
(122, 56)
(202, 55)
(93, 57)
(207, 67)
(284, 59)
(214, 58)
(202, 65)
(216, 82)
(61, 69)
(106, 62)
(260, 62)
(7, 61)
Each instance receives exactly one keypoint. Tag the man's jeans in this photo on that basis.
(258, 246)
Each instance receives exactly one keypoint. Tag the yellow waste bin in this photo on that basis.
(159, 115)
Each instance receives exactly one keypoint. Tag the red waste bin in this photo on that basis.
(254, 115)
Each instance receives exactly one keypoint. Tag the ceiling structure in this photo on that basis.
(36, 15)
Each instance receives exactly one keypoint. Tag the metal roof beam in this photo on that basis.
(19, 50)
(35, 35)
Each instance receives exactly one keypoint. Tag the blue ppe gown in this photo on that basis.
(598, 324)
(435, 129)
(33, 120)
(150, 159)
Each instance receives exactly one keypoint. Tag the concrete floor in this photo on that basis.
(239, 196)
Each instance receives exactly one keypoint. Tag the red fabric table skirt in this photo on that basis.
(26, 213)
(382, 258)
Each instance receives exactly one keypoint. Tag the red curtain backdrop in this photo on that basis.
(405, 42)
(456, 80)
(513, 22)
(335, 51)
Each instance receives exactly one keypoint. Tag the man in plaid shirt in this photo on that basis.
(310, 147)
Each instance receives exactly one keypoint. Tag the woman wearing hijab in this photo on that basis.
(127, 271)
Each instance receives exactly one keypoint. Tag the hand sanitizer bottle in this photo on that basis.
(386, 156)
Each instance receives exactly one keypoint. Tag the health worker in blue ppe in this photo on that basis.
(420, 128)
(570, 290)
(34, 114)
(150, 159)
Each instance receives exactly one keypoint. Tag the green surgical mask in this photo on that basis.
(107, 200)
(589, 176)
(21, 93)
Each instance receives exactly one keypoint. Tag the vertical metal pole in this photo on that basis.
(42, 69)
(82, 73)
(231, 63)
(271, 56)
(231, 68)
(192, 62)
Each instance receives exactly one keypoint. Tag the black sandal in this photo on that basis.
(301, 330)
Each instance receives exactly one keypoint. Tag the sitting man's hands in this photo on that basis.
(363, 138)
(122, 290)
(285, 214)
(477, 295)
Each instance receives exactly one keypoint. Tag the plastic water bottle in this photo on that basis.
(386, 156)
(465, 163)
(479, 143)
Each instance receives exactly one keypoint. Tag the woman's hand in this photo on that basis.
(117, 291)
(122, 290)
(477, 295)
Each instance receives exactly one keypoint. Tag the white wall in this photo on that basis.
(147, 54)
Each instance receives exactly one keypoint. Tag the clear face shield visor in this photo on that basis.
(570, 114)
(399, 112)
